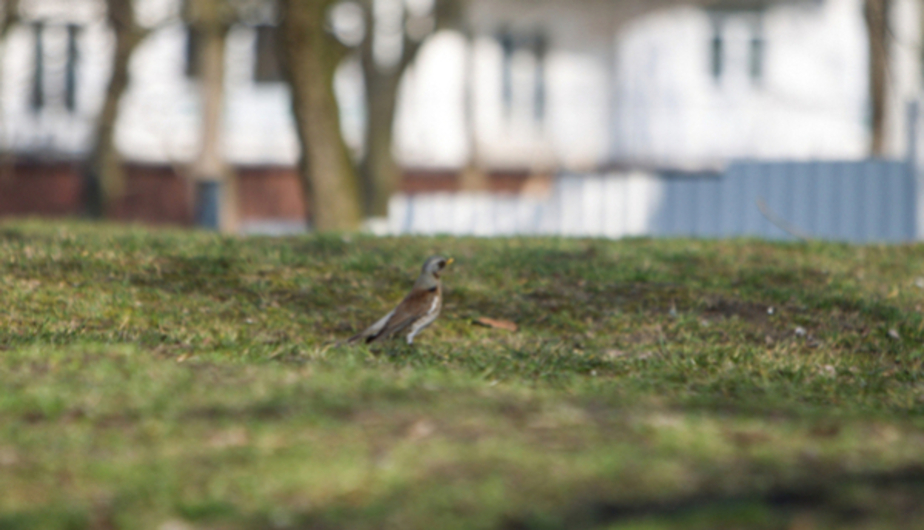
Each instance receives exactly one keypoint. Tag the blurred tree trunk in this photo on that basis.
(104, 178)
(311, 56)
(9, 16)
(212, 20)
(877, 24)
(379, 171)
(473, 177)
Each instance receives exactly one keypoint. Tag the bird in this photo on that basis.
(418, 310)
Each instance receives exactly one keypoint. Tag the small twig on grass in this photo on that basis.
(781, 223)
(496, 324)
(662, 340)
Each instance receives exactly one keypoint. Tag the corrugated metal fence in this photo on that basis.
(874, 200)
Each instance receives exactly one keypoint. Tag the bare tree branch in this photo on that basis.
(379, 171)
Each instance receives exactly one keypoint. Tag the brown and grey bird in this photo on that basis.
(418, 309)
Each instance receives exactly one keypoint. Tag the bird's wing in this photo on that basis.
(414, 306)
(372, 330)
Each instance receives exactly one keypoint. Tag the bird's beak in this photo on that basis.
(449, 261)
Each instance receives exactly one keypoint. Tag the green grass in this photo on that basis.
(168, 379)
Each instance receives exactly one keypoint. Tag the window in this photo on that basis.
(514, 90)
(737, 47)
(56, 57)
(267, 66)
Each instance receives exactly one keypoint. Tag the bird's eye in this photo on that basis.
(442, 264)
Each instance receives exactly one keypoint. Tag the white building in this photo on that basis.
(550, 85)
(679, 86)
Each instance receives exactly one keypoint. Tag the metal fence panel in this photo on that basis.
(871, 200)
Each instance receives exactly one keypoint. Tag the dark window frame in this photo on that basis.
(267, 65)
(757, 58)
(508, 49)
(717, 52)
(71, 67)
(192, 67)
(37, 97)
(540, 91)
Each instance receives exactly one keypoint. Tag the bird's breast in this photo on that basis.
(434, 305)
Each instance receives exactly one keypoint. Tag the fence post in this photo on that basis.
(208, 204)
(913, 117)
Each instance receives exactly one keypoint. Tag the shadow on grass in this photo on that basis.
(840, 499)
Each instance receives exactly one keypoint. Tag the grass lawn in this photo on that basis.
(175, 380)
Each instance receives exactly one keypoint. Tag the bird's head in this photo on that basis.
(434, 266)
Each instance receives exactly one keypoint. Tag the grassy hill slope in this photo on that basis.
(166, 379)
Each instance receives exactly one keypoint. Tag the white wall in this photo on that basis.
(669, 108)
(812, 101)
(646, 96)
